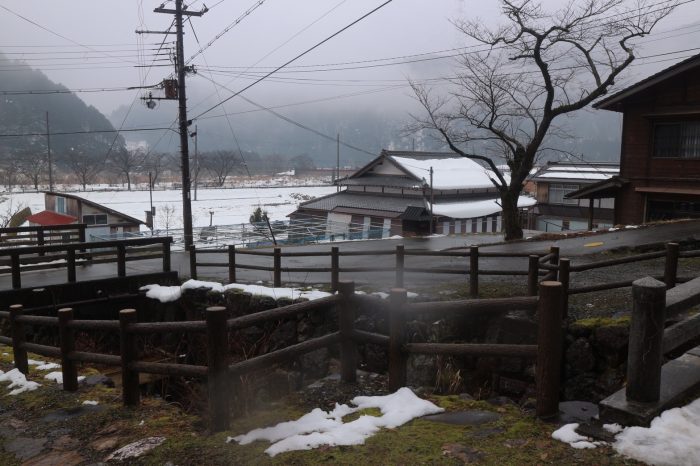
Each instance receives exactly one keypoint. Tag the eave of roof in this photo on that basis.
(614, 101)
(116, 213)
(600, 190)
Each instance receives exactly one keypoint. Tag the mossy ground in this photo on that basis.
(516, 438)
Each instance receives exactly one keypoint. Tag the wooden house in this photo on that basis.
(555, 211)
(101, 221)
(660, 150)
(408, 193)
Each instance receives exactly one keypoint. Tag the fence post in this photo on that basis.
(18, 338)
(121, 260)
(232, 263)
(277, 268)
(335, 268)
(671, 266)
(70, 259)
(131, 392)
(40, 241)
(474, 271)
(549, 349)
(533, 270)
(400, 255)
(397, 339)
(16, 274)
(81, 234)
(217, 369)
(166, 256)
(67, 342)
(645, 354)
(564, 278)
(554, 260)
(193, 262)
(346, 324)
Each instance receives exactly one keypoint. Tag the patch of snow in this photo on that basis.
(34, 362)
(567, 434)
(381, 294)
(396, 237)
(670, 439)
(449, 173)
(58, 377)
(475, 209)
(631, 227)
(613, 229)
(136, 449)
(91, 402)
(48, 366)
(327, 428)
(613, 428)
(17, 381)
(164, 294)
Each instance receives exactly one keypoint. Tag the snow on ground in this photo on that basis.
(230, 206)
(57, 377)
(167, 294)
(18, 382)
(319, 427)
(670, 440)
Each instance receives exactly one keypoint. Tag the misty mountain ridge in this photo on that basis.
(593, 135)
(26, 113)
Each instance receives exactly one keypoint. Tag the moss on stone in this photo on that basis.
(595, 322)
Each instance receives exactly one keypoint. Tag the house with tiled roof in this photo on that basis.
(557, 212)
(659, 175)
(408, 193)
(100, 221)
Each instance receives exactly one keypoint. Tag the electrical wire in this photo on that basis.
(297, 57)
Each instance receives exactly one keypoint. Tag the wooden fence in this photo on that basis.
(41, 235)
(70, 255)
(334, 269)
(219, 371)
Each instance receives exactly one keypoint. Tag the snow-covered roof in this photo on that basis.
(581, 172)
(474, 209)
(452, 172)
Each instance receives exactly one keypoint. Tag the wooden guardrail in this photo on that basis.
(70, 255)
(335, 269)
(547, 350)
(41, 235)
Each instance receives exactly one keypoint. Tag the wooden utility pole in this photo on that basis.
(48, 152)
(337, 162)
(181, 69)
(432, 200)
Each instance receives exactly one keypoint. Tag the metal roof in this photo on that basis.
(379, 202)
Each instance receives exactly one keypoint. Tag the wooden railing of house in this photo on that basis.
(41, 235)
(71, 255)
(547, 350)
(335, 268)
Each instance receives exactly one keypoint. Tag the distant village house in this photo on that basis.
(406, 193)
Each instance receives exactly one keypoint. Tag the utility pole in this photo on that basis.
(432, 201)
(195, 136)
(48, 152)
(179, 12)
(337, 162)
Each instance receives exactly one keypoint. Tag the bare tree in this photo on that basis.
(83, 166)
(220, 164)
(33, 165)
(539, 66)
(155, 163)
(126, 161)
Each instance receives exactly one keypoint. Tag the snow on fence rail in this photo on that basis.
(547, 350)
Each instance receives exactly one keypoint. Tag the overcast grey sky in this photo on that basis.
(404, 27)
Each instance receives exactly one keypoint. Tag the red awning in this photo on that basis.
(48, 217)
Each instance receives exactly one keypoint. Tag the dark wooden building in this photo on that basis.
(660, 152)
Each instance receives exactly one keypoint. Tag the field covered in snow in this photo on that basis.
(230, 206)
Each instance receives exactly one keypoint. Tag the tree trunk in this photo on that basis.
(511, 215)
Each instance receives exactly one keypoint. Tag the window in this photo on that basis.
(95, 219)
(557, 192)
(61, 205)
(677, 140)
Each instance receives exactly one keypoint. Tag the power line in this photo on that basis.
(298, 56)
(294, 122)
(245, 14)
(64, 133)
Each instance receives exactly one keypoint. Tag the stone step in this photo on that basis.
(680, 383)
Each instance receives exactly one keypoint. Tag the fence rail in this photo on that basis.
(72, 255)
(216, 326)
(41, 235)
